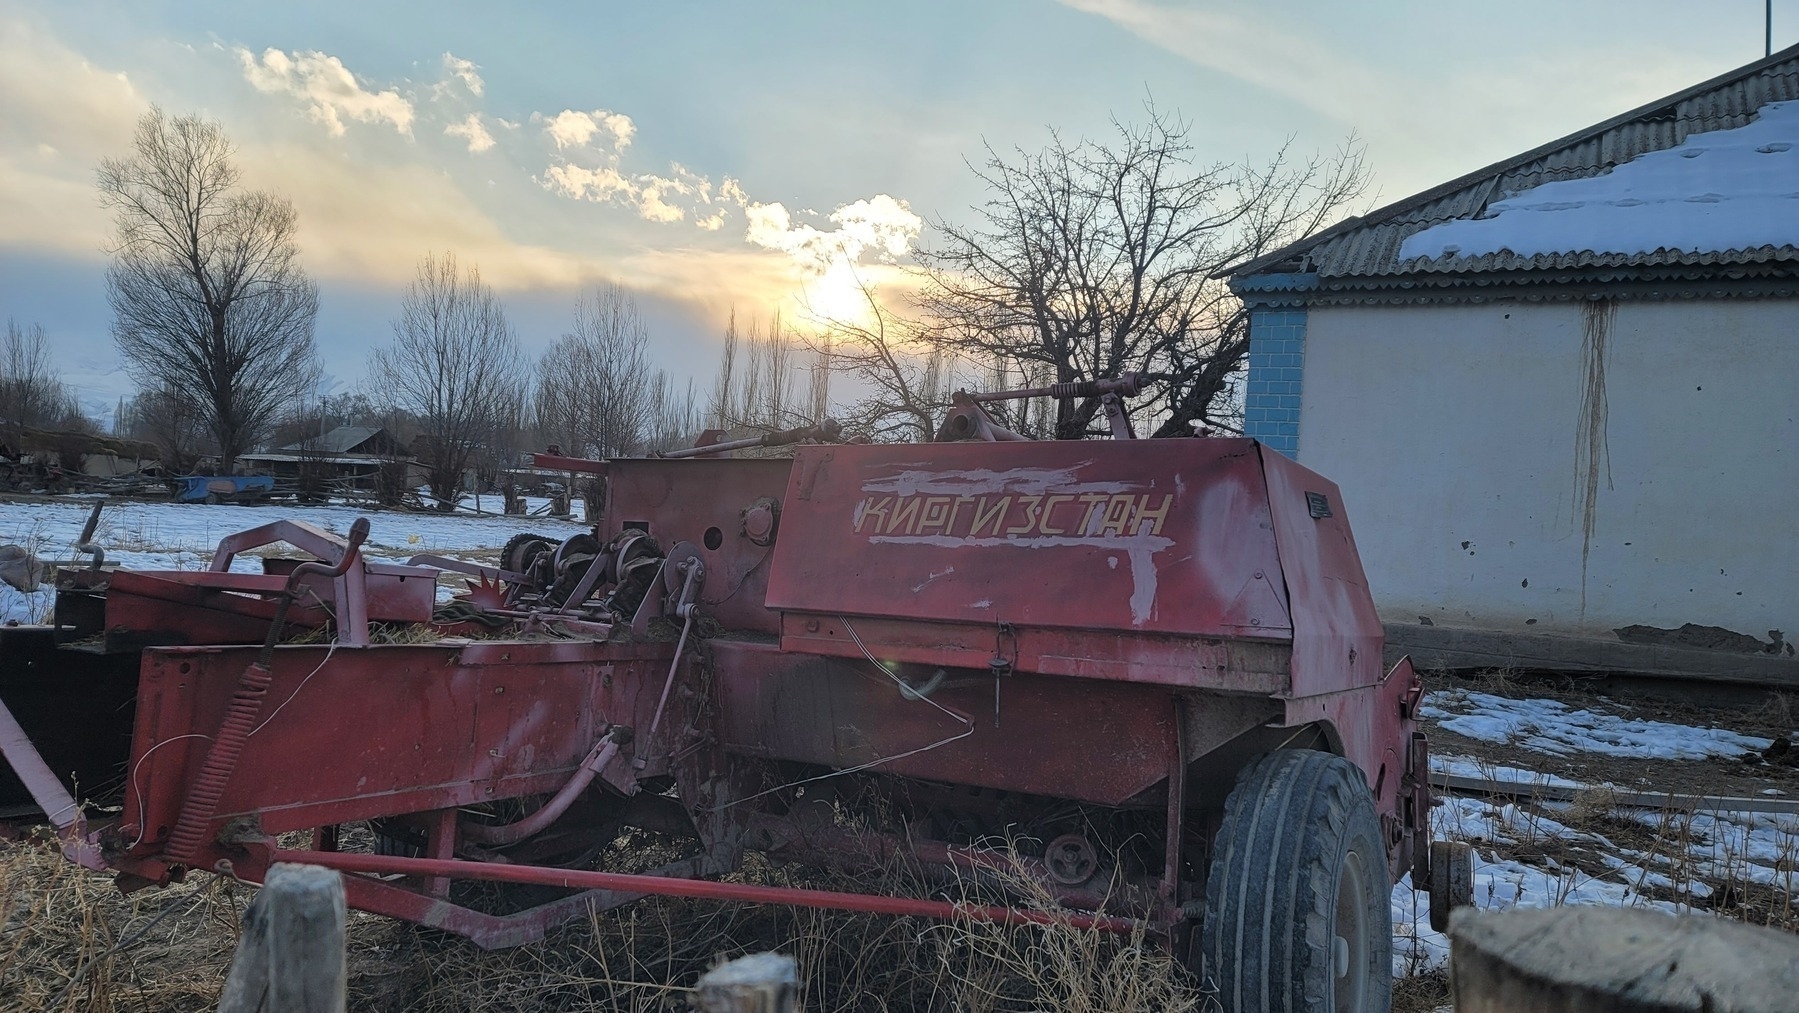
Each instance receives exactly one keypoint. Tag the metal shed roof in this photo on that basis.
(1368, 246)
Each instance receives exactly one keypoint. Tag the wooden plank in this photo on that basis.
(1444, 648)
(758, 983)
(1517, 789)
(1617, 960)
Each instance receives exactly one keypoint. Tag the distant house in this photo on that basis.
(1561, 394)
(353, 454)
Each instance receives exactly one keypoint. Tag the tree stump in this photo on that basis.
(290, 958)
(758, 983)
(1616, 960)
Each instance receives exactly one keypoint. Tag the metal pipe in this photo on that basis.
(829, 429)
(583, 879)
(1126, 385)
(511, 833)
(86, 542)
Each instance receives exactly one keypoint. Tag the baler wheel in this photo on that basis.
(520, 549)
(1297, 913)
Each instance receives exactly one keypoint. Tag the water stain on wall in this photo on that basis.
(1591, 453)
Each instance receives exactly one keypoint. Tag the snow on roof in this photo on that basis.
(1717, 191)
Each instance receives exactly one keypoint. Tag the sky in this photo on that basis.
(716, 158)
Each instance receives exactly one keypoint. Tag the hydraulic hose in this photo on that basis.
(511, 833)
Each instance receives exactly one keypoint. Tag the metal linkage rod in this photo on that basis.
(827, 431)
(582, 879)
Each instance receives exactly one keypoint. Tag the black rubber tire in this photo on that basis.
(1298, 863)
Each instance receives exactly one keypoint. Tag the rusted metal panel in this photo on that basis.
(379, 731)
(1069, 738)
(704, 502)
(1337, 636)
(1158, 536)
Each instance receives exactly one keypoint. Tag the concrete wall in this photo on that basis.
(1455, 433)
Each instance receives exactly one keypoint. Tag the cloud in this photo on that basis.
(328, 86)
(464, 71)
(880, 224)
(601, 184)
(473, 132)
(59, 115)
(572, 129)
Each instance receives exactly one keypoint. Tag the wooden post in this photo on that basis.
(758, 983)
(1617, 960)
(290, 958)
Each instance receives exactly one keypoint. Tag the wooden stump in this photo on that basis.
(758, 983)
(290, 958)
(1615, 960)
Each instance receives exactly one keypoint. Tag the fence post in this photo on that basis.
(758, 983)
(1617, 960)
(291, 956)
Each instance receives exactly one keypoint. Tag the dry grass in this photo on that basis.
(69, 942)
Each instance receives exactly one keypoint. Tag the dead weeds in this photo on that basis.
(70, 942)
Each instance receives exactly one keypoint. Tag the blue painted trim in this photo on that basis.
(1271, 397)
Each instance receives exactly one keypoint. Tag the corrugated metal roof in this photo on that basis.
(341, 440)
(1368, 246)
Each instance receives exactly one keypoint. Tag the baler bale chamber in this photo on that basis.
(1145, 674)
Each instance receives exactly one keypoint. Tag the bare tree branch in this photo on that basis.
(1093, 259)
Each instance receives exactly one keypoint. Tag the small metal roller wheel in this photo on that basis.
(1071, 859)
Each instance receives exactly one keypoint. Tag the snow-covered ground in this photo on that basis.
(1555, 729)
(182, 536)
(1529, 856)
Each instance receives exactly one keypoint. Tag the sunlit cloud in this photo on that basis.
(880, 224)
(464, 70)
(330, 90)
(473, 132)
(572, 128)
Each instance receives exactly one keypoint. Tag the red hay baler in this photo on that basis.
(1145, 675)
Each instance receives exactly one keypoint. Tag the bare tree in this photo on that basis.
(755, 384)
(455, 366)
(674, 414)
(171, 420)
(594, 382)
(906, 377)
(1093, 259)
(32, 393)
(206, 288)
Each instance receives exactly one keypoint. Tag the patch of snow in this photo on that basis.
(1732, 189)
(1464, 766)
(1552, 727)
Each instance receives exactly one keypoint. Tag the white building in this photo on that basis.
(1561, 394)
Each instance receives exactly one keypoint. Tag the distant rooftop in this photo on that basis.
(1708, 176)
(341, 440)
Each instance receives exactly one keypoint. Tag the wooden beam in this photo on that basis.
(291, 956)
(1617, 960)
